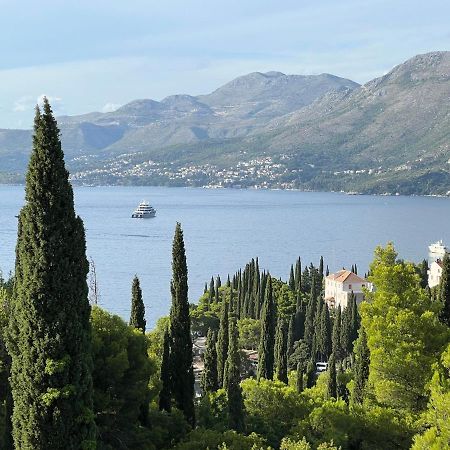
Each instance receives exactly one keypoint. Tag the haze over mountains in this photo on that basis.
(319, 132)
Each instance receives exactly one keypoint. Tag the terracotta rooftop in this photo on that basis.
(346, 275)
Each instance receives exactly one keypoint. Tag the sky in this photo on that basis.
(97, 55)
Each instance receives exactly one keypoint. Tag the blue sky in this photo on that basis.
(95, 55)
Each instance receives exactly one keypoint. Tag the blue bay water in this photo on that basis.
(224, 229)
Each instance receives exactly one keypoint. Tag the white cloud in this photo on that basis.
(110, 107)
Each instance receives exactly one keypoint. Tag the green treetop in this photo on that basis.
(403, 334)
(444, 291)
(137, 316)
(49, 332)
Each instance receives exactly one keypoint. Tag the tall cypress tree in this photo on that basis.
(222, 342)
(181, 369)
(310, 374)
(290, 336)
(232, 380)
(267, 341)
(50, 333)
(299, 384)
(292, 279)
(444, 291)
(332, 382)
(336, 335)
(298, 275)
(281, 352)
(209, 381)
(137, 316)
(164, 395)
(361, 367)
(310, 315)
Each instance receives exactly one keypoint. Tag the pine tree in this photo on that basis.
(281, 352)
(222, 342)
(310, 374)
(209, 381)
(232, 380)
(267, 342)
(332, 383)
(181, 369)
(361, 367)
(444, 291)
(165, 395)
(137, 316)
(299, 384)
(50, 333)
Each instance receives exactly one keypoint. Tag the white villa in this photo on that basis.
(340, 285)
(435, 273)
(436, 254)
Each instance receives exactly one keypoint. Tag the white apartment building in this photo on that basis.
(435, 273)
(340, 285)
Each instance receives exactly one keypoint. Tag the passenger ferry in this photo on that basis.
(144, 211)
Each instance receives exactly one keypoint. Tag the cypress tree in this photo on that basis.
(211, 291)
(335, 339)
(232, 380)
(361, 367)
(310, 374)
(321, 269)
(299, 384)
(291, 336)
(324, 333)
(327, 271)
(444, 291)
(137, 316)
(222, 342)
(281, 352)
(50, 334)
(332, 383)
(217, 286)
(164, 394)
(181, 370)
(310, 315)
(306, 281)
(298, 275)
(267, 342)
(292, 280)
(354, 322)
(341, 388)
(209, 381)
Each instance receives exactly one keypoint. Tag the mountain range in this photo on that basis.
(317, 132)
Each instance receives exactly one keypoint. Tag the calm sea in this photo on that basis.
(224, 229)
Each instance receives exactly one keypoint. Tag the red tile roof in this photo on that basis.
(346, 275)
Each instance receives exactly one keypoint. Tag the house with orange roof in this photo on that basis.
(340, 285)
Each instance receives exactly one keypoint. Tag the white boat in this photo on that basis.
(144, 211)
(438, 248)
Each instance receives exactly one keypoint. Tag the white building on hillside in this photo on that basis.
(435, 273)
(340, 285)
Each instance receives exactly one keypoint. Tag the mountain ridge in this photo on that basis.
(391, 130)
